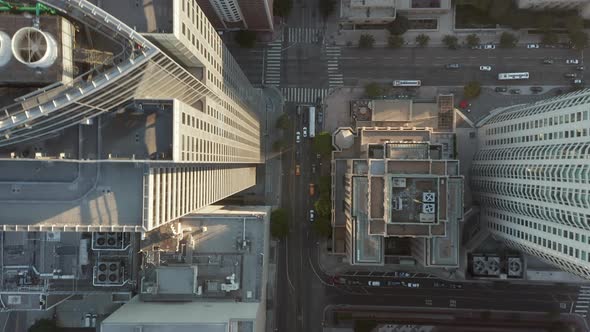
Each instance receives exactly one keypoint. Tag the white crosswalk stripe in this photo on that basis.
(304, 95)
(272, 63)
(583, 301)
(335, 78)
(304, 35)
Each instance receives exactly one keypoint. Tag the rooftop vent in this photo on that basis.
(34, 48)
(5, 54)
(428, 197)
(428, 208)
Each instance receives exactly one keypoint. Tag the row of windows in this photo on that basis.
(574, 267)
(574, 173)
(549, 229)
(579, 150)
(542, 241)
(196, 149)
(539, 211)
(544, 106)
(240, 135)
(564, 196)
(582, 132)
(540, 123)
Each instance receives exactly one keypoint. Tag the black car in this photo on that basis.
(501, 89)
(515, 91)
(453, 66)
(580, 68)
(570, 75)
(536, 89)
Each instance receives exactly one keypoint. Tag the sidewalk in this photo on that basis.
(340, 37)
(272, 167)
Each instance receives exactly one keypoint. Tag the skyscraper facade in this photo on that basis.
(255, 15)
(531, 177)
(169, 124)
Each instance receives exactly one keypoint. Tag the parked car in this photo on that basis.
(536, 89)
(570, 75)
(489, 47)
(297, 170)
(477, 47)
(393, 283)
(515, 91)
(311, 215)
(501, 89)
(485, 68)
(453, 66)
(532, 46)
(374, 283)
(572, 61)
(298, 137)
(404, 275)
(580, 68)
(577, 81)
(304, 131)
(411, 284)
(548, 61)
(457, 286)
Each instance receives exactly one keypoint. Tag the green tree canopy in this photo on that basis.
(545, 23)
(395, 41)
(278, 145)
(373, 90)
(44, 325)
(579, 39)
(451, 42)
(282, 8)
(246, 38)
(325, 186)
(327, 7)
(279, 223)
(283, 122)
(366, 41)
(422, 40)
(472, 40)
(399, 26)
(550, 38)
(322, 143)
(574, 23)
(472, 89)
(508, 40)
(323, 227)
(323, 207)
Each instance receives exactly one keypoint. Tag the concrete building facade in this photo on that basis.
(531, 177)
(582, 6)
(169, 125)
(255, 15)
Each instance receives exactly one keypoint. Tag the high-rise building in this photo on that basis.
(531, 177)
(255, 15)
(582, 6)
(165, 124)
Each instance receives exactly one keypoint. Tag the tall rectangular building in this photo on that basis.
(165, 125)
(531, 177)
(255, 15)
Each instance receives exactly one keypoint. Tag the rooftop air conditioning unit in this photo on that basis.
(428, 197)
(428, 208)
(479, 265)
(514, 267)
(107, 241)
(53, 236)
(108, 273)
(493, 265)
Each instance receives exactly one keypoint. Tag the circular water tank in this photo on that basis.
(34, 48)
(5, 53)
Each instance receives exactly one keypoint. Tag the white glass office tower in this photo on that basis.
(531, 177)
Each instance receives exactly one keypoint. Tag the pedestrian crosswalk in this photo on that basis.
(304, 95)
(272, 63)
(304, 35)
(335, 77)
(583, 301)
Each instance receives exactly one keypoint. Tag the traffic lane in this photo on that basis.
(442, 301)
(433, 54)
(438, 75)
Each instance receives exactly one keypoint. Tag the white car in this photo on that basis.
(304, 131)
(572, 61)
(489, 47)
(412, 285)
(485, 68)
(532, 46)
(297, 137)
(374, 283)
(311, 215)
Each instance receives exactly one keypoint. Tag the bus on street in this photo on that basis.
(407, 83)
(513, 76)
(311, 121)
